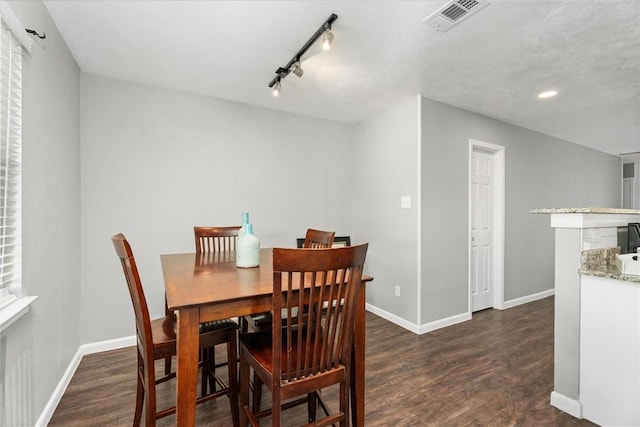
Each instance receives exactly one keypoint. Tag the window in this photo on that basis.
(10, 158)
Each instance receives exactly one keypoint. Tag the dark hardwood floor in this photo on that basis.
(495, 370)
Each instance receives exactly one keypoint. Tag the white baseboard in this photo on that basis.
(443, 323)
(97, 347)
(113, 344)
(528, 298)
(55, 398)
(418, 329)
(392, 318)
(566, 404)
(452, 320)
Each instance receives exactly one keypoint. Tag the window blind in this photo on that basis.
(10, 165)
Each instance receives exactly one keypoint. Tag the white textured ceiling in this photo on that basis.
(493, 63)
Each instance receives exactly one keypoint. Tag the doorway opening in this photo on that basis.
(630, 181)
(486, 225)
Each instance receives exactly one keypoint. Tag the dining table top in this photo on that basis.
(193, 279)
(196, 279)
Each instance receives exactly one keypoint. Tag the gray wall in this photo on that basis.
(156, 162)
(386, 152)
(541, 171)
(49, 335)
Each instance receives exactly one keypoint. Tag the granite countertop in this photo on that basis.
(602, 263)
(585, 211)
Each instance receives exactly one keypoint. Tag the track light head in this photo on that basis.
(293, 66)
(275, 89)
(296, 69)
(327, 38)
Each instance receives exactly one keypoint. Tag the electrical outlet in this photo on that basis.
(397, 291)
(405, 202)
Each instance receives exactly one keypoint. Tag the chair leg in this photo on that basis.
(167, 366)
(257, 393)
(344, 403)
(150, 401)
(139, 402)
(312, 405)
(244, 389)
(204, 358)
(140, 397)
(232, 356)
(212, 369)
(276, 409)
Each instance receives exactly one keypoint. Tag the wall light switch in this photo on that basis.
(405, 202)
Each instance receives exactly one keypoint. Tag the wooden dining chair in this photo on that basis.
(300, 360)
(216, 239)
(157, 340)
(208, 239)
(213, 240)
(318, 239)
(314, 239)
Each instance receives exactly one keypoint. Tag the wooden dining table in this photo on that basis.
(207, 286)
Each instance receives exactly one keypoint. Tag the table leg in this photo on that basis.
(187, 368)
(357, 362)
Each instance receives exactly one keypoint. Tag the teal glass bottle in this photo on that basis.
(248, 250)
(245, 221)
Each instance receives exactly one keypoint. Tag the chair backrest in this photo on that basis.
(140, 308)
(216, 239)
(318, 239)
(331, 282)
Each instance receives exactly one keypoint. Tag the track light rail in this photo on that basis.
(282, 72)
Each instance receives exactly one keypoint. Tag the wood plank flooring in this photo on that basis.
(495, 370)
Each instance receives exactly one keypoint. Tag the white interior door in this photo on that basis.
(482, 166)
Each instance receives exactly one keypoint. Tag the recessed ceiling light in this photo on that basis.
(547, 94)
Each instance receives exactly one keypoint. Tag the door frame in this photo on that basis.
(498, 223)
(632, 193)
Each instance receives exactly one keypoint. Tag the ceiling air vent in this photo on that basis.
(453, 13)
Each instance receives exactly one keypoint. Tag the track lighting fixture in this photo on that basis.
(275, 89)
(294, 64)
(327, 38)
(296, 69)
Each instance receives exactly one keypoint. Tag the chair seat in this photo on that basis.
(218, 325)
(163, 331)
(260, 347)
(262, 321)
(259, 321)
